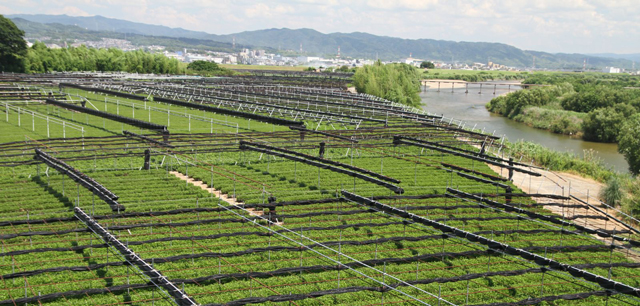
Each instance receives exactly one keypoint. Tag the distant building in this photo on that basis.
(194, 57)
(611, 70)
(307, 59)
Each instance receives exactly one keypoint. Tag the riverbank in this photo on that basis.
(470, 107)
(552, 120)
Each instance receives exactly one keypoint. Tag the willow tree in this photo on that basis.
(395, 82)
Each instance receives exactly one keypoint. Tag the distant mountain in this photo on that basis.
(355, 44)
(371, 46)
(59, 33)
(632, 57)
(99, 23)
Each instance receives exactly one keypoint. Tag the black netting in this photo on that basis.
(147, 269)
(549, 218)
(322, 160)
(318, 268)
(392, 187)
(551, 298)
(82, 179)
(228, 220)
(66, 294)
(110, 116)
(401, 140)
(592, 248)
(501, 247)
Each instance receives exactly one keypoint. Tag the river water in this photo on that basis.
(470, 107)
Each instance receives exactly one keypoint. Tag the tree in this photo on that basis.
(395, 82)
(629, 142)
(343, 68)
(602, 124)
(13, 48)
(428, 65)
(203, 66)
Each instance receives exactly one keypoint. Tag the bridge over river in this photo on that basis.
(474, 85)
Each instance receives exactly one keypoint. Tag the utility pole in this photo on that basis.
(534, 62)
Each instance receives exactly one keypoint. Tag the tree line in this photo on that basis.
(40, 59)
(15, 56)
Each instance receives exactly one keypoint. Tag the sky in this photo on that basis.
(567, 26)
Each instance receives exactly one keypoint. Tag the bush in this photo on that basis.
(514, 103)
(612, 192)
(428, 65)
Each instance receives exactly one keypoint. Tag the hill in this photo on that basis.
(632, 56)
(58, 33)
(357, 44)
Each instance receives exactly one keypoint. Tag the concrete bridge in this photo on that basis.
(458, 84)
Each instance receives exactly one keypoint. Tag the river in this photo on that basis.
(471, 108)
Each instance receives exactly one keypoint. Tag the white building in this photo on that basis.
(194, 57)
(611, 70)
(307, 59)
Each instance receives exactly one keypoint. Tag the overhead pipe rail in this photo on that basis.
(343, 95)
(266, 108)
(380, 109)
(392, 187)
(96, 188)
(390, 109)
(498, 246)
(208, 108)
(288, 100)
(147, 139)
(323, 160)
(400, 140)
(305, 130)
(534, 215)
(159, 280)
(105, 91)
(606, 214)
(110, 116)
(461, 130)
(466, 151)
(261, 107)
(232, 102)
(224, 111)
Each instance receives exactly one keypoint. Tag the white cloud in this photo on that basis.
(6, 11)
(403, 4)
(68, 10)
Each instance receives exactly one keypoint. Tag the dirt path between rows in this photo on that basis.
(562, 183)
(225, 197)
